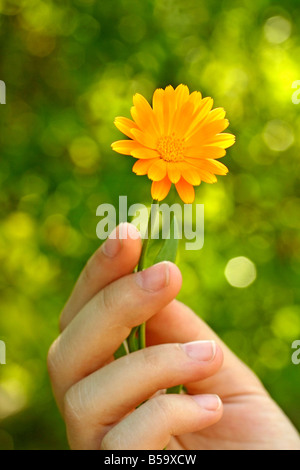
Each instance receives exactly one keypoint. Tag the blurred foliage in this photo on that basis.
(70, 67)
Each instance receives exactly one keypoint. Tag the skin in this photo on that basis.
(225, 407)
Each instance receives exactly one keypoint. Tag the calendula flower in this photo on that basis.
(177, 141)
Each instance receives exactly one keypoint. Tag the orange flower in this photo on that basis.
(177, 141)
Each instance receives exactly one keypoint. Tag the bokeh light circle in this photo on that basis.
(240, 272)
(277, 29)
(278, 135)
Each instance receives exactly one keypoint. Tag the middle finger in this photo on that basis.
(105, 322)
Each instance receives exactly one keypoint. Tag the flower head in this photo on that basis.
(177, 141)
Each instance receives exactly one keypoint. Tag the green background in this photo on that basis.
(70, 67)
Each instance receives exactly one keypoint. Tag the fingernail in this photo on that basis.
(154, 278)
(202, 351)
(127, 230)
(113, 245)
(208, 402)
(133, 232)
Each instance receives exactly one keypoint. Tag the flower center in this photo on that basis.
(170, 149)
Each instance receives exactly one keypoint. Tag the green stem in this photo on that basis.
(142, 336)
(175, 390)
(140, 331)
(133, 342)
(141, 266)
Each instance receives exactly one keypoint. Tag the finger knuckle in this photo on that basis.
(156, 357)
(92, 266)
(106, 443)
(63, 321)
(151, 358)
(52, 359)
(108, 298)
(176, 348)
(71, 407)
(113, 439)
(160, 406)
(87, 272)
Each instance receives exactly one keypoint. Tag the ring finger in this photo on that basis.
(151, 426)
(98, 402)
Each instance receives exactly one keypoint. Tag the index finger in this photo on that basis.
(116, 258)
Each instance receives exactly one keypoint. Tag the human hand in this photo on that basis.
(98, 396)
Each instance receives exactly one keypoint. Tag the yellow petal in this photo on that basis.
(160, 189)
(215, 127)
(144, 153)
(206, 171)
(169, 108)
(217, 167)
(189, 173)
(145, 139)
(173, 172)
(196, 99)
(213, 166)
(143, 115)
(206, 151)
(207, 177)
(125, 126)
(199, 117)
(215, 114)
(157, 170)
(125, 147)
(182, 94)
(186, 191)
(222, 140)
(141, 167)
(158, 108)
(207, 133)
(182, 119)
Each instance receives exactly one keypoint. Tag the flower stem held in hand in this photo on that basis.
(137, 338)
